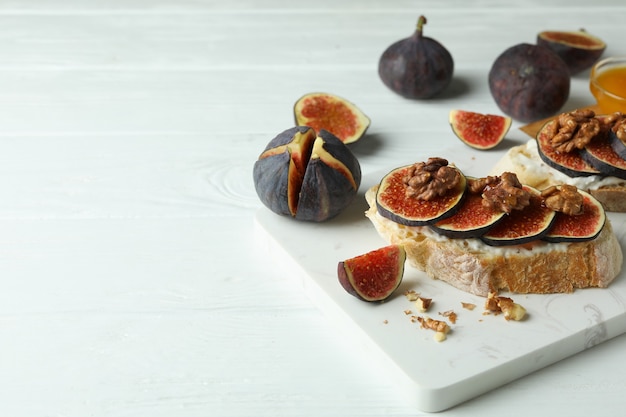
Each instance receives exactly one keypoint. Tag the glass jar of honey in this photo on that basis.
(607, 82)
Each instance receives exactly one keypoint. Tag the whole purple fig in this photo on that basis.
(529, 82)
(417, 67)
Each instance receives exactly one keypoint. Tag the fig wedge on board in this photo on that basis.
(375, 275)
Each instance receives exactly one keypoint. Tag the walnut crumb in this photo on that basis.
(408, 312)
(497, 304)
(423, 304)
(618, 125)
(411, 295)
(431, 179)
(468, 306)
(437, 325)
(440, 336)
(450, 315)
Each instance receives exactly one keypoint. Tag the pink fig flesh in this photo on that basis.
(375, 275)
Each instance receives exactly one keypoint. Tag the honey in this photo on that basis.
(609, 88)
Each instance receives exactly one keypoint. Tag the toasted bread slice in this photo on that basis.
(473, 266)
(524, 161)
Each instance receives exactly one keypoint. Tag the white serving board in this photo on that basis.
(482, 352)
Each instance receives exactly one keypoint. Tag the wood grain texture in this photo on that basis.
(132, 281)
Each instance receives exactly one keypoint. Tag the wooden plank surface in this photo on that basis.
(132, 280)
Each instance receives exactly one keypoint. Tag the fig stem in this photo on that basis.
(421, 21)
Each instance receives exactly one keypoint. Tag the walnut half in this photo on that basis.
(565, 199)
(617, 123)
(431, 179)
(573, 130)
(504, 192)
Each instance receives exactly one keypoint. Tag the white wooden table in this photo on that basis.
(132, 280)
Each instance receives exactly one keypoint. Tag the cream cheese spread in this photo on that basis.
(473, 245)
(531, 161)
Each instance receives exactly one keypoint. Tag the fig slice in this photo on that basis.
(571, 164)
(578, 49)
(392, 202)
(522, 226)
(477, 130)
(600, 154)
(473, 219)
(617, 144)
(578, 228)
(375, 275)
(324, 111)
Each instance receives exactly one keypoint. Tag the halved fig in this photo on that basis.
(477, 130)
(599, 154)
(570, 163)
(393, 203)
(522, 226)
(306, 175)
(581, 227)
(578, 49)
(324, 111)
(375, 275)
(472, 219)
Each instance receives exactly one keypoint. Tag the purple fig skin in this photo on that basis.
(272, 174)
(322, 188)
(345, 281)
(617, 144)
(416, 67)
(325, 192)
(529, 82)
(601, 156)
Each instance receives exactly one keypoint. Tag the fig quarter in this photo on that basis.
(375, 275)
